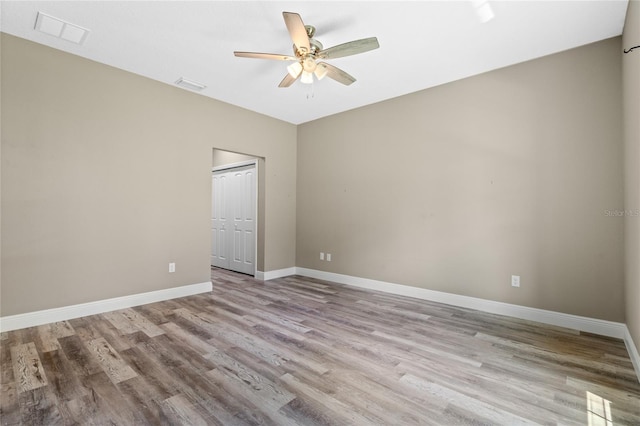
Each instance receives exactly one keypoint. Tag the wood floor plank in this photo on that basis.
(241, 372)
(141, 322)
(154, 377)
(384, 394)
(120, 322)
(303, 351)
(451, 397)
(354, 389)
(81, 361)
(266, 295)
(209, 395)
(64, 383)
(267, 397)
(154, 312)
(279, 321)
(107, 402)
(307, 414)
(86, 328)
(180, 411)
(39, 406)
(85, 411)
(6, 366)
(188, 339)
(294, 350)
(253, 345)
(110, 360)
(247, 359)
(27, 367)
(626, 407)
(140, 394)
(49, 334)
(171, 369)
(120, 342)
(533, 401)
(9, 408)
(341, 413)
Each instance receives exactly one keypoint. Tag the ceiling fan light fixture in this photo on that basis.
(307, 77)
(295, 69)
(309, 64)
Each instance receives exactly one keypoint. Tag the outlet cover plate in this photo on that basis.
(515, 280)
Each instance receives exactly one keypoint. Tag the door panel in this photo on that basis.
(219, 244)
(249, 247)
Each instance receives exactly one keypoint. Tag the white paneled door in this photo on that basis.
(233, 219)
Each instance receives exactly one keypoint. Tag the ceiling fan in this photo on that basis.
(308, 52)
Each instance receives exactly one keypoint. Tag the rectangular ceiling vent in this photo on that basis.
(190, 84)
(61, 29)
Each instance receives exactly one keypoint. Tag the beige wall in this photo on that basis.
(455, 188)
(106, 179)
(631, 101)
(458, 187)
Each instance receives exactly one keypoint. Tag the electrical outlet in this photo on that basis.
(515, 280)
(172, 267)
(328, 257)
(321, 256)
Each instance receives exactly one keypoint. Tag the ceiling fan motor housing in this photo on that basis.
(316, 46)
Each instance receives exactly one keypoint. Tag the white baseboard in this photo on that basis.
(31, 319)
(590, 325)
(278, 273)
(633, 352)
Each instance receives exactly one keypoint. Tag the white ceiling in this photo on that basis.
(422, 43)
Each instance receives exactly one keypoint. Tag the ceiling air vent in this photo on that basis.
(190, 84)
(61, 29)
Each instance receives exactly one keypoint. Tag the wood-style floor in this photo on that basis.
(302, 351)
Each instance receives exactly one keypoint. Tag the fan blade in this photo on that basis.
(350, 48)
(297, 31)
(288, 80)
(337, 74)
(274, 56)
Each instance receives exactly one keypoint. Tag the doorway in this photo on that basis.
(234, 217)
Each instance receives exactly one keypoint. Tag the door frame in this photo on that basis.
(231, 166)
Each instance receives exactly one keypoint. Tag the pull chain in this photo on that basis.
(311, 92)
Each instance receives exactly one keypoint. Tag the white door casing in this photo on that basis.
(233, 223)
